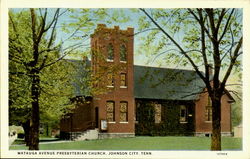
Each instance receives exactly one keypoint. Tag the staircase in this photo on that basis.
(90, 134)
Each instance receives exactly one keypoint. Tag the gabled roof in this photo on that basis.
(166, 83)
(150, 82)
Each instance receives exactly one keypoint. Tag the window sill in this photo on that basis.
(208, 121)
(110, 86)
(124, 122)
(183, 122)
(108, 60)
(123, 87)
(111, 122)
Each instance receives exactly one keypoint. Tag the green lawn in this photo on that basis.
(42, 139)
(142, 143)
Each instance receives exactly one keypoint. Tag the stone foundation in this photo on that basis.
(208, 134)
(70, 135)
(115, 135)
(78, 136)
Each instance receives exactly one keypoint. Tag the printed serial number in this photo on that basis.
(222, 153)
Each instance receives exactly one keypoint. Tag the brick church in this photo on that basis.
(138, 100)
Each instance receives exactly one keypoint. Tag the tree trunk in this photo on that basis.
(216, 125)
(26, 128)
(47, 129)
(35, 117)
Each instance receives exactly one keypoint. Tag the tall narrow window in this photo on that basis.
(208, 111)
(110, 111)
(110, 80)
(137, 112)
(183, 113)
(123, 53)
(123, 80)
(110, 52)
(157, 113)
(123, 111)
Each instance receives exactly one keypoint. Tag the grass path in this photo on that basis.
(142, 143)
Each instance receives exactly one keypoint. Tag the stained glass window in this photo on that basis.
(110, 79)
(110, 111)
(123, 111)
(123, 53)
(123, 79)
(110, 52)
(157, 113)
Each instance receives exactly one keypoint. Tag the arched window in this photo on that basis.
(110, 52)
(123, 53)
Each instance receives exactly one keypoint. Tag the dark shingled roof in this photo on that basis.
(152, 82)
(81, 71)
(166, 83)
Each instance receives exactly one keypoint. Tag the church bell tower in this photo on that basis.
(112, 66)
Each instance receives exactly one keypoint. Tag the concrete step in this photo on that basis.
(88, 135)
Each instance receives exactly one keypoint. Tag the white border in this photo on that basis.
(245, 4)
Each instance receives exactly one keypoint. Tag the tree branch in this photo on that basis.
(53, 31)
(60, 58)
(197, 19)
(14, 26)
(176, 44)
(145, 31)
(236, 94)
(195, 93)
(48, 50)
(163, 53)
(232, 62)
(225, 29)
(223, 12)
(203, 47)
(34, 36)
(59, 95)
(210, 14)
(41, 27)
(53, 20)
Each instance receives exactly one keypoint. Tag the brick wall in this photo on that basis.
(79, 120)
(203, 126)
(100, 40)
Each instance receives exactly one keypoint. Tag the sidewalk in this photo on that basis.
(48, 142)
(12, 138)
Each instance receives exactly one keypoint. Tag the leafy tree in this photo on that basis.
(38, 77)
(40, 80)
(198, 37)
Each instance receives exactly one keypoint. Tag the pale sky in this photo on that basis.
(139, 58)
